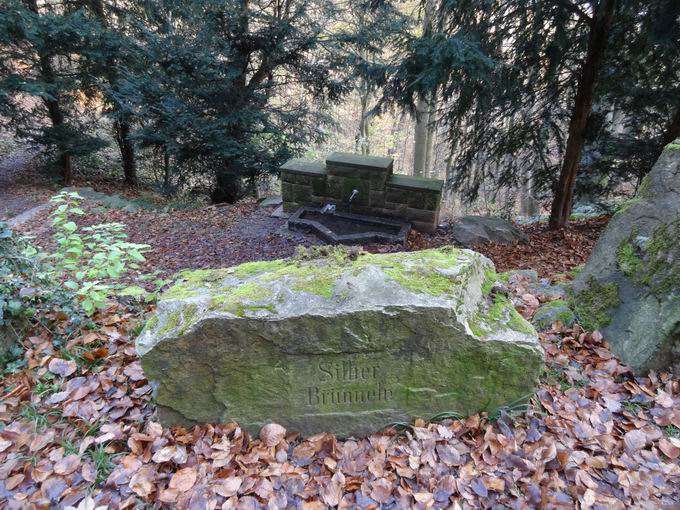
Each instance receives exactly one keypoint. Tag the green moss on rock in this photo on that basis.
(657, 265)
(592, 305)
(557, 310)
(240, 298)
(498, 315)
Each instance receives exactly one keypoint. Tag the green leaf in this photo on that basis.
(71, 285)
(70, 226)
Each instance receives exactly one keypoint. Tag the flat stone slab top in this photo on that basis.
(347, 343)
(350, 159)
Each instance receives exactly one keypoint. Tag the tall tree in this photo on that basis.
(231, 84)
(424, 133)
(40, 76)
(525, 113)
(600, 28)
(116, 48)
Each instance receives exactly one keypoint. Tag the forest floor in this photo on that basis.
(211, 237)
(77, 418)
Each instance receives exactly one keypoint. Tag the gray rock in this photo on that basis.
(582, 211)
(549, 313)
(272, 201)
(516, 276)
(343, 343)
(544, 287)
(630, 286)
(471, 230)
(27, 216)
(280, 213)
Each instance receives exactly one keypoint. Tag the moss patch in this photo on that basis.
(241, 298)
(593, 304)
(557, 310)
(500, 314)
(316, 271)
(628, 261)
(657, 266)
(672, 147)
(490, 279)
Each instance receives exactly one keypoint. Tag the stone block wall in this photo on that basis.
(380, 192)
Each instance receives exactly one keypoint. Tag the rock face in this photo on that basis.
(630, 286)
(471, 230)
(345, 343)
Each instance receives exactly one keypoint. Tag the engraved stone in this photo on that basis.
(341, 343)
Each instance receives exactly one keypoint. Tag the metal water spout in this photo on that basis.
(355, 192)
(328, 209)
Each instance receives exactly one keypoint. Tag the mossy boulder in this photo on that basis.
(630, 286)
(549, 313)
(347, 343)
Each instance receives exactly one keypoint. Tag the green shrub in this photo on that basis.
(86, 258)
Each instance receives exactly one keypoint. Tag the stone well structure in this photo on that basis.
(380, 192)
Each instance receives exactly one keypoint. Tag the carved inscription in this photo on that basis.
(347, 382)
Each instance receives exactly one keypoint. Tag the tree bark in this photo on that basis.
(420, 139)
(597, 43)
(362, 143)
(422, 143)
(127, 152)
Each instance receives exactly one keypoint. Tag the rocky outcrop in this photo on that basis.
(344, 343)
(471, 230)
(630, 287)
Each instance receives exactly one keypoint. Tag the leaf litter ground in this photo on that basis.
(77, 420)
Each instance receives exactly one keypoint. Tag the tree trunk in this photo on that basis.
(429, 145)
(65, 160)
(420, 139)
(597, 43)
(422, 143)
(53, 108)
(362, 143)
(127, 152)
(228, 187)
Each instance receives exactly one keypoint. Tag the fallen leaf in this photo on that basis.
(184, 479)
(67, 465)
(61, 367)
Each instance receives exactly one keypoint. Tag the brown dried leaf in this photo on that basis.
(62, 367)
(184, 479)
(67, 465)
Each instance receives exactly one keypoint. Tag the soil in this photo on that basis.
(17, 193)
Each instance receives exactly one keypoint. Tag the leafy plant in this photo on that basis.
(85, 257)
(22, 285)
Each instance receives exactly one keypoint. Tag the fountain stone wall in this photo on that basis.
(380, 192)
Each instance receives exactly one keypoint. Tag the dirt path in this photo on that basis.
(18, 190)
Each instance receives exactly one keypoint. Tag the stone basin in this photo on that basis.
(348, 228)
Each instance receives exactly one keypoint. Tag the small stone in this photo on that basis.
(530, 300)
(551, 312)
(272, 434)
(272, 201)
